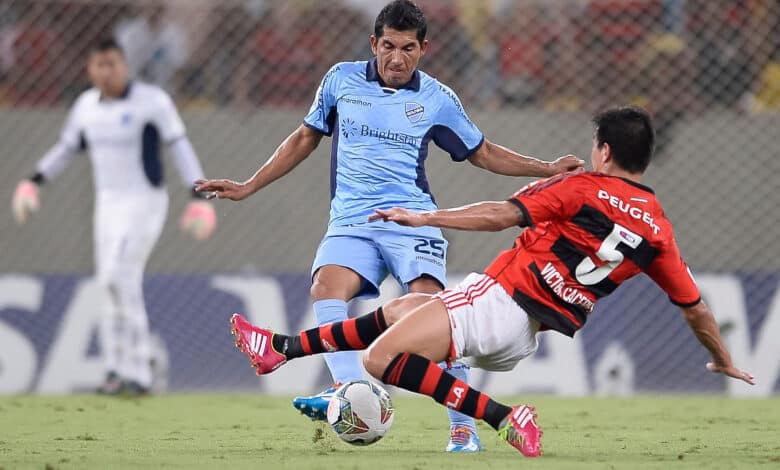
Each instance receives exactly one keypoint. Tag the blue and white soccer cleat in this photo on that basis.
(316, 406)
(463, 439)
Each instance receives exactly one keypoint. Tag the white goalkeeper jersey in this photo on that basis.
(124, 137)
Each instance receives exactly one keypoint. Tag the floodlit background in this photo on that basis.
(530, 74)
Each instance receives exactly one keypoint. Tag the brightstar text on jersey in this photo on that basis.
(388, 135)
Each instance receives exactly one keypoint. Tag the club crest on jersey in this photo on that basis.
(125, 119)
(414, 111)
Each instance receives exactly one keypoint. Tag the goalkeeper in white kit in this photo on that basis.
(123, 124)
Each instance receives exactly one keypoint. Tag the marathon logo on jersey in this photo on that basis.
(633, 211)
(357, 102)
(414, 111)
(388, 135)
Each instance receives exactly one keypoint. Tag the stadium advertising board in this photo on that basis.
(635, 342)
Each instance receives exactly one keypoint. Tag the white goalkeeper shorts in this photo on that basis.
(489, 329)
(126, 229)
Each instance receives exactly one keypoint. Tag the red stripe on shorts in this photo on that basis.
(477, 286)
(481, 291)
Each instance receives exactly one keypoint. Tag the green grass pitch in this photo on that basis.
(258, 432)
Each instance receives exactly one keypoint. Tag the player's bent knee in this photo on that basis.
(376, 359)
(393, 311)
(322, 291)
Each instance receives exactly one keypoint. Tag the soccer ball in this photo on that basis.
(360, 412)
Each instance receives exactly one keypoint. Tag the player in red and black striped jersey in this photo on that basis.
(587, 233)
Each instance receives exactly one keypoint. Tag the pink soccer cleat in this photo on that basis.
(256, 344)
(520, 430)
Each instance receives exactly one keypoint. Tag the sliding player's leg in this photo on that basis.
(268, 350)
(406, 353)
(406, 356)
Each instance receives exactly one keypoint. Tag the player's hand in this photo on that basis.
(223, 189)
(400, 216)
(199, 220)
(731, 371)
(25, 200)
(566, 163)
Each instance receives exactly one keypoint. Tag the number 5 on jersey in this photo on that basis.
(588, 274)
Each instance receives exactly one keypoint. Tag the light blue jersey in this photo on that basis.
(380, 143)
(381, 137)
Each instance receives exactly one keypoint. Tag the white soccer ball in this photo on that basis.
(360, 412)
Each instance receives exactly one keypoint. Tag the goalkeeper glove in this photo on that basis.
(199, 220)
(25, 200)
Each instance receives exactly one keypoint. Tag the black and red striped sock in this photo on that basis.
(418, 374)
(348, 335)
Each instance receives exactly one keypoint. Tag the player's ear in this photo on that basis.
(605, 153)
(373, 40)
(423, 47)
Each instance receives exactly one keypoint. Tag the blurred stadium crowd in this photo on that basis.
(551, 54)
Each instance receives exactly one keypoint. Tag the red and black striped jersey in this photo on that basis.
(588, 232)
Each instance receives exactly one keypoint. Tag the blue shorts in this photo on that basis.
(374, 250)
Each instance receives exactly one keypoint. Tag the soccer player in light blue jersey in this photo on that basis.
(382, 114)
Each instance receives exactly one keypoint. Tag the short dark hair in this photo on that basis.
(106, 44)
(629, 132)
(401, 15)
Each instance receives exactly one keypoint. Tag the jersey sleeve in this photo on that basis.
(71, 140)
(322, 113)
(672, 274)
(454, 132)
(555, 198)
(186, 161)
(71, 135)
(168, 121)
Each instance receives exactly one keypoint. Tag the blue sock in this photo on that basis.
(344, 366)
(461, 371)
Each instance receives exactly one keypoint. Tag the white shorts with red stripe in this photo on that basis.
(489, 329)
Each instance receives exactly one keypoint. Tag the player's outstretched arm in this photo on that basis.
(487, 216)
(295, 148)
(500, 160)
(704, 326)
